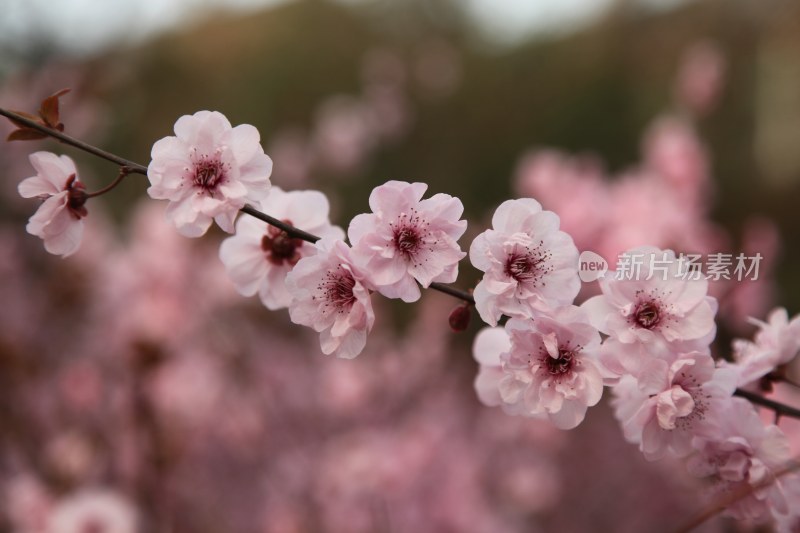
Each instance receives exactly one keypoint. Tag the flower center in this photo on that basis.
(76, 197)
(337, 288)
(647, 315)
(208, 173)
(406, 240)
(562, 364)
(280, 248)
(409, 232)
(523, 267)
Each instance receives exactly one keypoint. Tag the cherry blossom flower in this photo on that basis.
(259, 256)
(777, 342)
(672, 403)
(59, 220)
(745, 455)
(93, 510)
(529, 264)
(209, 170)
(656, 307)
(406, 238)
(488, 347)
(549, 367)
(329, 295)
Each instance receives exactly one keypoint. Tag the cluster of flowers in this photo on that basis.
(549, 360)
(670, 396)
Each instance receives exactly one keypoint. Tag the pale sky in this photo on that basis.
(85, 25)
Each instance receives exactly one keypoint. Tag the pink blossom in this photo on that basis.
(93, 510)
(329, 295)
(776, 343)
(26, 503)
(672, 403)
(673, 151)
(742, 454)
(59, 220)
(700, 77)
(406, 238)
(572, 186)
(209, 170)
(549, 368)
(259, 256)
(653, 304)
(487, 349)
(529, 264)
(343, 138)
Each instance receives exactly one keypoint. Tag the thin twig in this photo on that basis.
(63, 137)
(141, 169)
(288, 228)
(123, 171)
(779, 408)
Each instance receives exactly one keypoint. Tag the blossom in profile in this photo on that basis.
(488, 348)
(258, 257)
(406, 239)
(59, 220)
(673, 403)
(776, 343)
(208, 171)
(329, 294)
(549, 367)
(530, 266)
(93, 510)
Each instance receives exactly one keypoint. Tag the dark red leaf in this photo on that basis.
(20, 125)
(25, 134)
(49, 109)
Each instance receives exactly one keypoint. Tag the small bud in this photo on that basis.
(459, 318)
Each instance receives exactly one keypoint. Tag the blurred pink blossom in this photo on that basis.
(93, 510)
(700, 78)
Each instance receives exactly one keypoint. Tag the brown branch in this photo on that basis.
(72, 141)
(123, 171)
(779, 408)
(141, 169)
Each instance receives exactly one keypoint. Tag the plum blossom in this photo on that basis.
(487, 349)
(656, 309)
(59, 220)
(93, 510)
(209, 170)
(529, 264)
(744, 455)
(406, 238)
(776, 343)
(549, 367)
(673, 403)
(259, 256)
(329, 294)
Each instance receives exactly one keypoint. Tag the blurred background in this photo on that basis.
(138, 390)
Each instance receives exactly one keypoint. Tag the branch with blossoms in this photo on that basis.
(648, 339)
